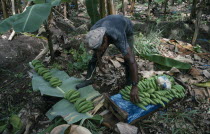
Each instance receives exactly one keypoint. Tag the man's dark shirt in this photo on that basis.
(119, 31)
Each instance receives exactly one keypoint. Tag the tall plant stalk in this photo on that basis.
(102, 8)
(4, 9)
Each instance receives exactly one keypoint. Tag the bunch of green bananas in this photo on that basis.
(83, 106)
(151, 93)
(72, 95)
(55, 82)
(45, 73)
(39, 68)
(37, 64)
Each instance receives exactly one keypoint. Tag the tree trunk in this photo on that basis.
(149, 8)
(110, 7)
(102, 8)
(4, 9)
(49, 39)
(124, 6)
(193, 11)
(65, 10)
(171, 2)
(165, 7)
(13, 6)
(132, 6)
(19, 8)
(197, 25)
(208, 6)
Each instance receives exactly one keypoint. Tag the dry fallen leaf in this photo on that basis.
(183, 59)
(201, 93)
(115, 63)
(147, 74)
(195, 72)
(120, 59)
(125, 128)
(70, 129)
(206, 73)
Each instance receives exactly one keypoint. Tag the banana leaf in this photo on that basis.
(53, 2)
(6, 24)
(205, 84)
(168, 62)
(38, 83)
(40, 1)
(92, 9)
(66, 110)
(31, 19)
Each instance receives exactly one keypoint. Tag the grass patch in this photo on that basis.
(93, 127)
(80, 59)
(148, 43)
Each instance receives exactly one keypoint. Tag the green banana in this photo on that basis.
(35, 62)
(87, 109)
(151, 91)
(76, 104)
(141, 106)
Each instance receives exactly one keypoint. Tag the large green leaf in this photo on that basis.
(53, 2)
(38, 83)
(32, 18)
(66, 109)
(92, 9)
(28, 21)
(6, 24)
(40, 1)
(167, 61)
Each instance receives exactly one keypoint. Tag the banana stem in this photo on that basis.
(60, 90)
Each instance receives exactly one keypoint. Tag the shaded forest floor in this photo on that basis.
(17, 96)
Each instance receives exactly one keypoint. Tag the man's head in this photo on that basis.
(94, 38)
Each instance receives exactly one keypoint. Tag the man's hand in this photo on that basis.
(134, 96)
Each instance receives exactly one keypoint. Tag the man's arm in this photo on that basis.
(96, 58)
(130, 59)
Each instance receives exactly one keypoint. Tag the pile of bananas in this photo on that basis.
(72, 95)
(55, 82)
(151, 93)
(83, 106)
(45, 73)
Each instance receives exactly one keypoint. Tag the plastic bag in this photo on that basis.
(134, 112)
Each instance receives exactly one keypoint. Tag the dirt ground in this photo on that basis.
(15, 84)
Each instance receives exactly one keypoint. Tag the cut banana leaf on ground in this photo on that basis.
(67, 111)
(38, 83)
(205, 84)
(166, 61)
